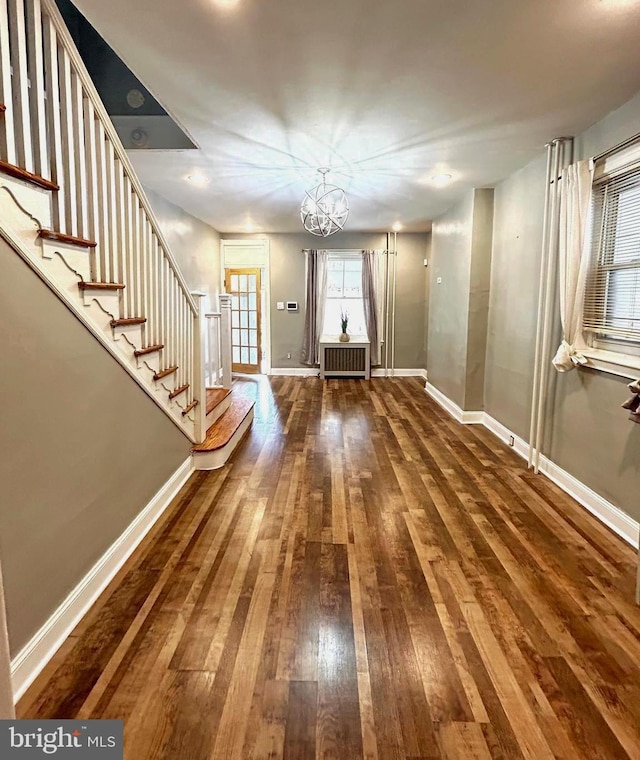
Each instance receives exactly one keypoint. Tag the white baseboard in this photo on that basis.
(378, 372)
(466, 418)
(28, 663)
(294, 371)
(608, 513)
(399, 372)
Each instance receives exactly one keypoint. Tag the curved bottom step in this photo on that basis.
(224, 435)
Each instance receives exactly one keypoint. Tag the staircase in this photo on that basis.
(73, 208)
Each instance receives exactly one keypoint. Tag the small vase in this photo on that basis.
(344, 338)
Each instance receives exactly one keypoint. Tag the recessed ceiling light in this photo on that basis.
(198, 179)
(441, 179)
(226, 3)
(249, 227)
(396, 227)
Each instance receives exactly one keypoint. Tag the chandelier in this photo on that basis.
(325, 208)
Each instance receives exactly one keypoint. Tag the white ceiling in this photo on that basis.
(386, 93)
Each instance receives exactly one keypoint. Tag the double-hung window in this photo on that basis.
(611, 316)
(344, 294)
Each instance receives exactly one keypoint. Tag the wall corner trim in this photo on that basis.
(607, 512)
(29, 662)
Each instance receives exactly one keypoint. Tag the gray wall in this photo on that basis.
(287, 265)
(588, 435)
(83, 449)
(459, 301)
(195, 245)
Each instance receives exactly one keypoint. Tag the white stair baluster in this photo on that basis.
(19, 63)
(37, 90)
(7, 130)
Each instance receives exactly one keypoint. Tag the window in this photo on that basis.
(612, 301)
(344, 294)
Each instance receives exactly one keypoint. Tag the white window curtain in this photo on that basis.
(573, 261)
(316, 294)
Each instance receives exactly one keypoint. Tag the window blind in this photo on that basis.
(612, 299)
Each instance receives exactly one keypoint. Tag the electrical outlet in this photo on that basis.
(512, 441)
(288, 356)
(438, 280)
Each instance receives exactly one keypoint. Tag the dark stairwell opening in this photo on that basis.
(141, 122)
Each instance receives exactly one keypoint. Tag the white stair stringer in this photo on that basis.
(62, 266)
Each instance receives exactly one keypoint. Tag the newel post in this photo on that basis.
(199, 367)
(225, 338)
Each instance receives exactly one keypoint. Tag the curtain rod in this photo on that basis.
(616, 148)
(348, 250)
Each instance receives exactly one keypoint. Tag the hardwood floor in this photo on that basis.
(365, 579)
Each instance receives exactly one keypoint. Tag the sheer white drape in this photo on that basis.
(573, 261)
(315, 301)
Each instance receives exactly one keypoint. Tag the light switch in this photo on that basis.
(280, 305)
(439, 280)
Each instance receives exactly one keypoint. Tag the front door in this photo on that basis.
(244, 287)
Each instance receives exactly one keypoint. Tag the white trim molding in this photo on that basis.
(412, 372)
(30, 661)
(458, 414)
(295, 371)
(608, 513)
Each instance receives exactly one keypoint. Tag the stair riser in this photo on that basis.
(133, 333)
(77, 259)
(213, 460)
(218, 411)
(34, 200)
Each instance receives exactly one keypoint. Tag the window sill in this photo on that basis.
(622, 365)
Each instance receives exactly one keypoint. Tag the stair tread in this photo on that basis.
(35, 179)
(216, 396)
(189, 407)
(62, 237)
(148, 349)
(85, 285)
(179, 390)
(124, 322)
(222, 430)
(165, 372)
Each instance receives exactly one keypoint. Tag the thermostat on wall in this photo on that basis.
(292, 306)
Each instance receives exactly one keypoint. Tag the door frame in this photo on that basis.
(241, 253)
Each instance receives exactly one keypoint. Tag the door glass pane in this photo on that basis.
(245, 337)
(235, 337)
(245, 356)
(234, 283)
(243, 283)
(253, 338)
(253, 319)
(244, 319)
(235, 303)
(243, 302)
(252, 283)
(252, 301)
(235, 319)
(236, 354)
(253, 356)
